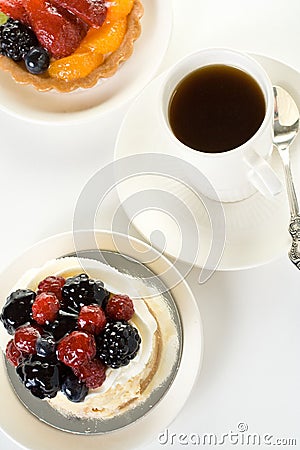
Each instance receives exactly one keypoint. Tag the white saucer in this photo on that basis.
(27, 103)
(33, 434)
(256, 228)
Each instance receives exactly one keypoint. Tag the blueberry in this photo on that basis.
(74, 389)
(45, 345)
(37, 60)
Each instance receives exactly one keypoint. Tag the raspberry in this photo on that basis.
(45, 308)
(13, 354)
(52, 284)
(25, 339)
(92, 319)
(93, 373)
(77, 348)
(120, 307)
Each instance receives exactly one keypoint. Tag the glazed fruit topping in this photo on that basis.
(40, 376)
(16, 39)
(52, 284)
(54, 349)
(74, 389)
(14, 9)
(80, 291)
(92, 319)
(64, 324)
(93, 373)
(118, 344)
(57, 30)
(45, 345)
(25, 339)
(13, 354)
(105, 39)
(76, 349)
(93, 12)
(37, 60)
(17, 309)
(120, 307)
(45, 308)
(117, 9)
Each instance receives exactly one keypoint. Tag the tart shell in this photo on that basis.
(108, 68)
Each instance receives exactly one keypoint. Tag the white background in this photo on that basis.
(251, 319)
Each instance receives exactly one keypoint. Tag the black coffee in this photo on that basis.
(216, 108)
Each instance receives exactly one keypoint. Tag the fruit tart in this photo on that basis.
(86, 349)
(66, 44)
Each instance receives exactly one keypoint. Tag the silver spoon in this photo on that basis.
(286, 127)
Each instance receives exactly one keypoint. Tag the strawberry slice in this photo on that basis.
(93, 12)
(14, 9)
(59, 31)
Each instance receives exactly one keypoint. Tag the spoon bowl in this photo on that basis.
(286, 117)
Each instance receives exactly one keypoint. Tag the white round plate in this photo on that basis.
(256, 228)
(25, 429)
(27, 103)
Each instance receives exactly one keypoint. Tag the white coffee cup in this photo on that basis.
(238, 173)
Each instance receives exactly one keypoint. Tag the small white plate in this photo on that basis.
(256, 228)
(25, 429)
(27, 103)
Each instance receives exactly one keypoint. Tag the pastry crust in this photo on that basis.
(108, 68)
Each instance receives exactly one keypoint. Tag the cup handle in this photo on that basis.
(262, 176)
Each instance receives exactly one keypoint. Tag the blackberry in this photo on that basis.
(118, 344)
(17, 309)
(65, 323)
(16, 39)
(40, 376)
(82, 291)
(74, 389)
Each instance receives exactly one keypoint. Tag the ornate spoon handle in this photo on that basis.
(294, 229)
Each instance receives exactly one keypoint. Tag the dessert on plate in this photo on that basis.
(66, 44)
(83, 345)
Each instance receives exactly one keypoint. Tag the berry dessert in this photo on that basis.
(66, 44)
(81, 345)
